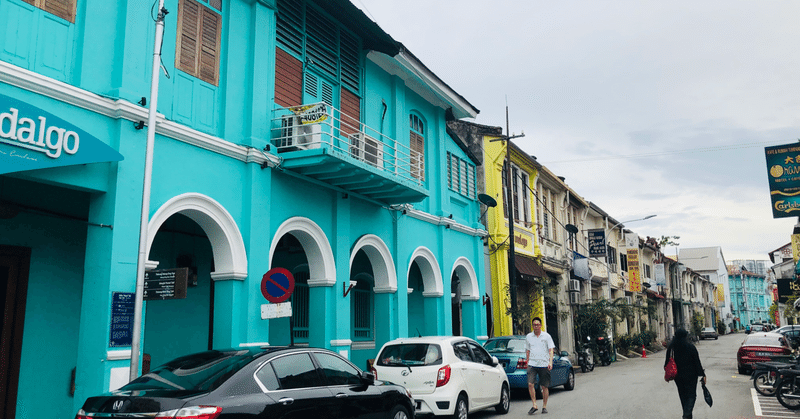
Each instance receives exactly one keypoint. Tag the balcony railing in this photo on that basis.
(321, 126)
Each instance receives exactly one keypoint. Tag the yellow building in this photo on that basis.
(524, 169)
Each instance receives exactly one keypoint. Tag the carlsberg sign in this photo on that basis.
(31, 138)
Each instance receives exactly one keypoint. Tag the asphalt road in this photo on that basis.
(635, 389)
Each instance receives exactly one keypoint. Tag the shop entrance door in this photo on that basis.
(14, 265)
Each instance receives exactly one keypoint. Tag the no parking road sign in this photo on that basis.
(277, 285)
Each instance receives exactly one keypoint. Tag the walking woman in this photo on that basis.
(689, 368)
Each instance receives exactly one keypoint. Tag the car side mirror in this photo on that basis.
(495, 361)
(367, 378)
(564, 354)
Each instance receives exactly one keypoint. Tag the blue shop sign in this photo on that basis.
(31, 138)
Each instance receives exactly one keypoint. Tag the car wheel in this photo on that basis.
(462, 408)
(716, 337)
(570, 384)
(583, 368)
(505, 400)
(399, 412)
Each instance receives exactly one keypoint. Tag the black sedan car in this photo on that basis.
(273, 382)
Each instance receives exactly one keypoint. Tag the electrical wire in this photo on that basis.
(665, 153)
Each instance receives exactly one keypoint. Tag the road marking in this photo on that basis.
(769, 407)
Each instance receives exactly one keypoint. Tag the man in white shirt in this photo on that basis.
(539, 353)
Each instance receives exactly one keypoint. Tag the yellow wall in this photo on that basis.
(494, 155)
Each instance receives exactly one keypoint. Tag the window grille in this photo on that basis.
(300, 309)
(362, 314)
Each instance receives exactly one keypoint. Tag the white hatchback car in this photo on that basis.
(446, 375)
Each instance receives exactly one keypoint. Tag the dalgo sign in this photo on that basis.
(31, 138)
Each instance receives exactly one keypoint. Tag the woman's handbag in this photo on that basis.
(670, 370)
(707, 395)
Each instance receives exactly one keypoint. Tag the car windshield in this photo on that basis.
(505, 345)
(204, 371)
(756, 327)
(410, 354)
(709, 329)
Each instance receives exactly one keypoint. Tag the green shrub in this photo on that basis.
(720, 327)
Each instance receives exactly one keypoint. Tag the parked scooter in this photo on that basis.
(788, 388)
(603, 350)
(585, 356)
(765, 374)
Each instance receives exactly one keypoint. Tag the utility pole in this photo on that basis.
(512, 269)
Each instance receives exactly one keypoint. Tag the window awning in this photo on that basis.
(654, 294)
(527, 266)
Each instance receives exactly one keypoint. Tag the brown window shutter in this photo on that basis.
(209, 47)
(418, 161)
(64, 9)
(288, 79)
(186, 50)
(33, 2)
(351, 112)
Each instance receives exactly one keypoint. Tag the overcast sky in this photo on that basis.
(646, 107)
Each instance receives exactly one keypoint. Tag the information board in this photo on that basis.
(121, 319)
(597, 242)
(165, 284)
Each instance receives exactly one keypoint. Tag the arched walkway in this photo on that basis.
(425, 305)
(230, 258)
(321, 264)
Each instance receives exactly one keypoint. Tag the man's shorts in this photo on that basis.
(542, 372)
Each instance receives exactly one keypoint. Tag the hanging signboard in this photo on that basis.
(634, 278)
(166, 284)
(661, 276)
(783, 172)
(31, 138)
(597, 242)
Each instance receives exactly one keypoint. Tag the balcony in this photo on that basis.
(318, 141)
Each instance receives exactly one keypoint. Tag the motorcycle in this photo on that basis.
(787, 388)
(603, 350)
(765, 374)
(585, 356)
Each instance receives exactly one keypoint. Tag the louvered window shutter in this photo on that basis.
(198, 41)
(64, 9)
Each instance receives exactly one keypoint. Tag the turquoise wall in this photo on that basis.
(52, 312)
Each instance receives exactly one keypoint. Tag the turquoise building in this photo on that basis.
(750, 297)
(290, 134)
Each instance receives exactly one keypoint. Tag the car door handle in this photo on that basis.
(286, 401)
(341, 395)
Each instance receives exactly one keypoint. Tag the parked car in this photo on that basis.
(792, 333)
(274, 382)
(709, 333)
(446, 375)
(750, 328)
(761, 347)
(510, 351)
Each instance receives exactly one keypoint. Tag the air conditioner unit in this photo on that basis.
(574, 298)
(574, 285)
(366, 149)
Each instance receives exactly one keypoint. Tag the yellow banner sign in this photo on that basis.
(634, 277)
(311, 114)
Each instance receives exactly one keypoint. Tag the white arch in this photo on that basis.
(227, 245)
(431, 274)
(469, 281)
(380, 257)
(321, 265)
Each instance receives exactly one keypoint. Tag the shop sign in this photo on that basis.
(122, 307)
(523, 241)
(661, 275)
(597, 242)
(783, 171)
(634, 278)
(787, 287)
(166, 284)
(311, 114)
(31, 138)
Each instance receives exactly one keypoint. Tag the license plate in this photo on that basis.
(763, 354)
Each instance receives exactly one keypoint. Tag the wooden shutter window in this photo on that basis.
(197, 52)
(351, 112)
(417, 156)
(64, 9)
(288, 79)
